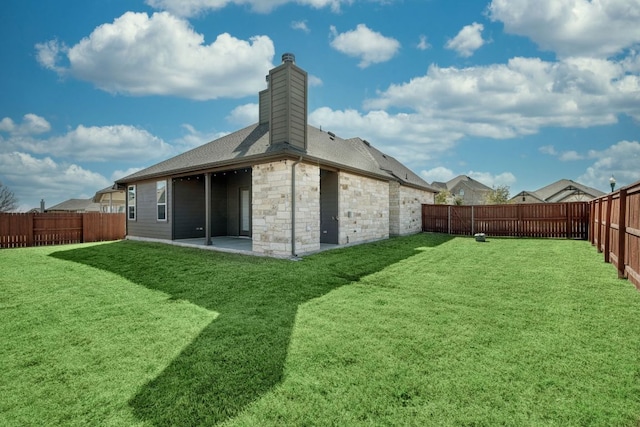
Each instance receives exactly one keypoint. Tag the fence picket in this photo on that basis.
(40, 229)
(557, 220)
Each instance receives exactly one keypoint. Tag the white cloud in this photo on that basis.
(370, 46)
(188, 8)
(314, 80)
(468, 40)
(103, 143)
(548, 149)
(423, 44)
(32, 179)
(620, 160)
(518, 98)
(569, 156)
(599, 28)
(194, 138)
(118, 174)
(440, 174)
(32, 124)
(565, 156)
(491, 180)
(48, 54)
(407, 137)
(300, 25)
(163, 55)
(244, 115)
(84, 143)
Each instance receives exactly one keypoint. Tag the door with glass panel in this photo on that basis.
(245, 211)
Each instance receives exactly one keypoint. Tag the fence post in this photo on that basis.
(568, 230)
(607, 230)
(30, 226)
(472, 222)
(622, 233)
(519, 208)
(449, 217)
(592, 221)
(599, 231)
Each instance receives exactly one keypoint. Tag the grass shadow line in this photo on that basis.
(241, 355)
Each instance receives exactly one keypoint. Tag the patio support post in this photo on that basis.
(207, 209)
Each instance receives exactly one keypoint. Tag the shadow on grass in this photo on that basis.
(240, 355)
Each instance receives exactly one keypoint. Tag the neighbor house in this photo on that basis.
(75, 205)
(564, 190)
(110, 199)
(464, 190)
(287, 186)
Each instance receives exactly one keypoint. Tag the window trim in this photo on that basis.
(158, 204)
(132, 190)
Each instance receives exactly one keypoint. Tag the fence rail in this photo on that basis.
(558, 220)
(615, 225)
(42, 229)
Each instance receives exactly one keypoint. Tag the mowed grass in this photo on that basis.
(419, 330)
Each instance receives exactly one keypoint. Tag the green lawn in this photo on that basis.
(420, 330)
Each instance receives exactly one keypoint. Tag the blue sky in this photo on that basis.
(510, 92)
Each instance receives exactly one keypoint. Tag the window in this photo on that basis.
(161, 197)
(131, 202)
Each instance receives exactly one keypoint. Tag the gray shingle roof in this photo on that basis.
(252, 144)
(76, 205)
(468, 182)
(563, 188)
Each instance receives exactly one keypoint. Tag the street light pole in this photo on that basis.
(612, 182)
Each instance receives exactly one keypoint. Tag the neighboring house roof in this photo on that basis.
(467, 182)
(465, 189)
(438, 185)
(561, 191)
(75, 205)
(563, 188)
(528, 196)
(98, 196)
(252, 144)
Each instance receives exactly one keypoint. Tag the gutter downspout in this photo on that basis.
(293, 207)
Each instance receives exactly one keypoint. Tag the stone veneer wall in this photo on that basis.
(363, 208)
(271, 210)
(406, 208)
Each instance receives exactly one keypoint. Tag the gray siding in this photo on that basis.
(189, 204)
(288, 115)
(264, 109)
(146, 223)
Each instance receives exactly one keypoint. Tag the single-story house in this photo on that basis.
(464, 190)
(75, 205)
(286, 185)
(110, 199)
(564, 190)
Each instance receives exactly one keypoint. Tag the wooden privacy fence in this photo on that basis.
(559, 220)
(615, 230)
(41, 229)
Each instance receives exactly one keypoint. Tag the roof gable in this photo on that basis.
(563, 188)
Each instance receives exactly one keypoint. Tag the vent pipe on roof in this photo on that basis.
(288, 57)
